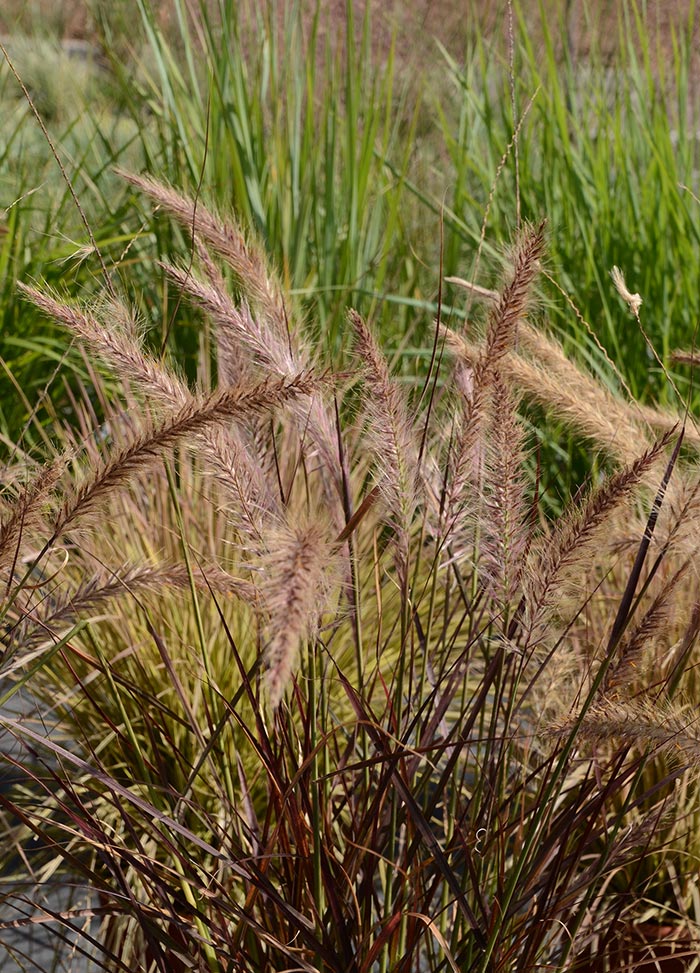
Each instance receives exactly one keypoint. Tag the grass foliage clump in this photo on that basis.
(309, 680)
(303, 665)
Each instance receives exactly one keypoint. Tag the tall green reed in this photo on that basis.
(608, 149)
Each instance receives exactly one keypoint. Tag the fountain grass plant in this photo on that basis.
(314, 684)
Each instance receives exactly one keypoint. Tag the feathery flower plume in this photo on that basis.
(504, 509)
(569, 392)
(514, 298)
(299, 572)
(573, 397)
(630, 652)
(45, 622)
(117, 346)
(390, 437)
(633, 301)
(227, 239)
(685, 357)
(26, 512)
(267, 351)
(251, 267)
(285, 351)
(501, 331)
(231, 363)
(643, 723)
(568, 546)
(119, 349)
(190, 421)
(236, 323)
(633, 418)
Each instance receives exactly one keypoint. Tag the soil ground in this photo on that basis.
(588, 21)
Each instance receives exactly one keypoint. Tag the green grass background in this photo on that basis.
(361, 168)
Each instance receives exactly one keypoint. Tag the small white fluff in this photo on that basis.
(633, 301)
